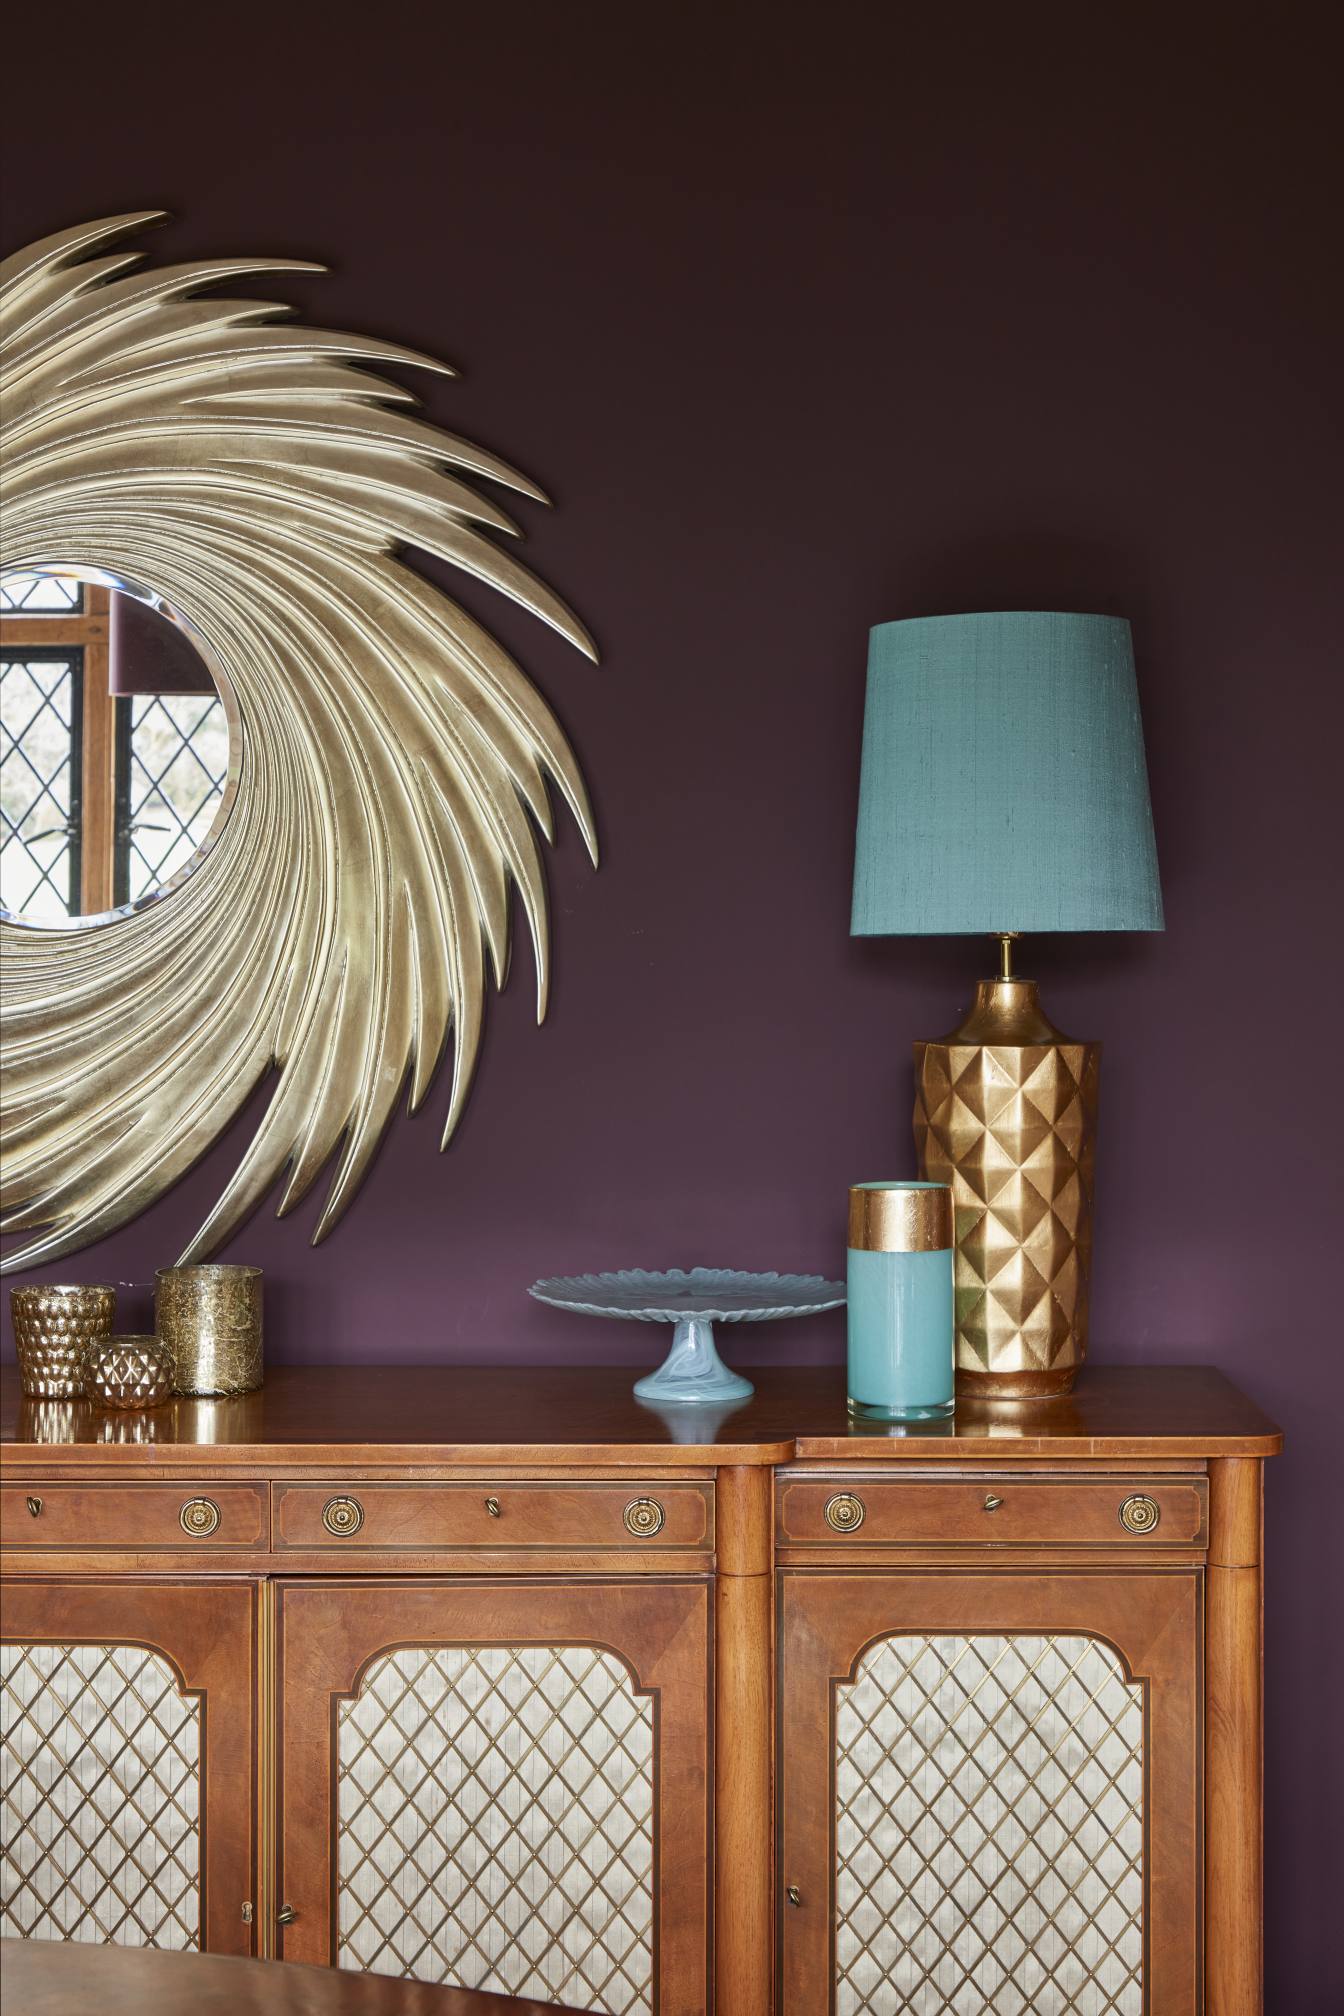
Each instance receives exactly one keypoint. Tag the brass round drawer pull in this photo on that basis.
(644, 1517)
(34, 1506)
(845, 1513)
(1139, 1514)
(493, 1509)
(342, 1516)
(199, 1516)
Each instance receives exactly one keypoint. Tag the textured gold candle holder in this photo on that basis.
(128, 1372)
(210, 1317)
(53, 1328)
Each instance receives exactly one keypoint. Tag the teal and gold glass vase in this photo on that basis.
(901, 1321)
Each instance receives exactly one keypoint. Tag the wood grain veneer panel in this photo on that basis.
(828, 1622)
(91, 1516)
(531, 1515)
(995, 1511)
(206, 1635)
(333, 1640)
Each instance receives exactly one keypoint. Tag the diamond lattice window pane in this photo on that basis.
(39, 784)
(178, 768)
(100, 1791)
(989, 1832)
(495, 1824)
(40, 595)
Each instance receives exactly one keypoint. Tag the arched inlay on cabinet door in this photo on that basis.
(495, 1823)
(989, 1828)
(100, 1784)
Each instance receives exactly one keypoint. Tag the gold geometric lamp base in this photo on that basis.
(1006, 1112)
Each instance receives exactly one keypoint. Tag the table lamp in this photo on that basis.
(1004, 791)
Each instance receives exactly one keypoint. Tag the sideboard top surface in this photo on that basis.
(402, 1415)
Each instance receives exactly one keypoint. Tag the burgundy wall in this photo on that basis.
(808, 319)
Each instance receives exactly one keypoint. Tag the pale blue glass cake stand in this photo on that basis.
(692, 1374)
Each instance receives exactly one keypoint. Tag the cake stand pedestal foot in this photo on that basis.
(693, 1373)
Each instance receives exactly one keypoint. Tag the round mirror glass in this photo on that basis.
(118, 750)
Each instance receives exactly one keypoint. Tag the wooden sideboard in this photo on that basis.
(499, 1678)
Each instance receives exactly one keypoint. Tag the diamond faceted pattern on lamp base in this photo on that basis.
(1012, 1128)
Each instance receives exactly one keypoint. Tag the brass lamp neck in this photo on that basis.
(1006, 1012)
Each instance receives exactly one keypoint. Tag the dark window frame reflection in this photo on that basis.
(126, 828)
(62, 872)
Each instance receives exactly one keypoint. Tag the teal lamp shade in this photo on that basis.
(1004, 785)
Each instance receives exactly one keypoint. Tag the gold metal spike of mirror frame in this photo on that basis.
(394, 766)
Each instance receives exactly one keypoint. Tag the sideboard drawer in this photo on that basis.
(494, 1515)
(35, 1513)
(992, 1510)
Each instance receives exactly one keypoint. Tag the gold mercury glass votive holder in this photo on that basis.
(128, 1372)
(53, 1328)
(210, 1317)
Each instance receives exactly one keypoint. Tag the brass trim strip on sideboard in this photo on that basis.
(268, 1790)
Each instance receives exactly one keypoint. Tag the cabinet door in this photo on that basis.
(500, 1785)
(126, 1763)
(990, 1793)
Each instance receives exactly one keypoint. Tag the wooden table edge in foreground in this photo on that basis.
(46, 1977)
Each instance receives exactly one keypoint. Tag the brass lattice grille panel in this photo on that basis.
(989, 1830)
(495, 1823)
(100, 1788)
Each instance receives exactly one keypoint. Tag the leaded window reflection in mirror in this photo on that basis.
(40, 692)
(171, 776)
(116, 752)
(40, 595)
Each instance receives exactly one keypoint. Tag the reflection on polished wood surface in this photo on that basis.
(576, 1414)
(44, 1977)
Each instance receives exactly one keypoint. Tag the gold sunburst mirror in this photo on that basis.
(209, 480)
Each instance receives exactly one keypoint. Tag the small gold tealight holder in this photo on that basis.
(53, 1328)
(210, 1317)
(128, 1372)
